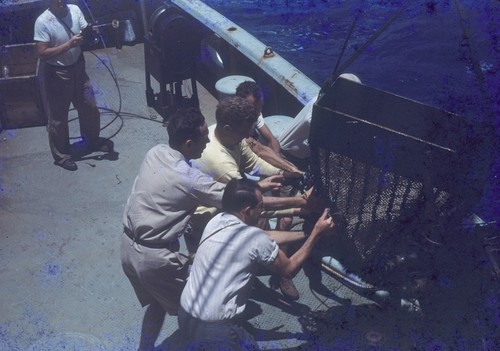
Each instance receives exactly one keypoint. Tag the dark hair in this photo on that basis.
(248, 88)
(185, 124)
(235, 110)
(240, 193)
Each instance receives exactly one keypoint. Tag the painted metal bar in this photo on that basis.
(291, 78)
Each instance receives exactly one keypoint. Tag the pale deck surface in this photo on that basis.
(62, 286)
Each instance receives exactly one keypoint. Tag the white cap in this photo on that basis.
(350, 76)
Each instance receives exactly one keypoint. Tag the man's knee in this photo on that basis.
(285, 223)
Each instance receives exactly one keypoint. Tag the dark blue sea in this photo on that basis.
(443, 53)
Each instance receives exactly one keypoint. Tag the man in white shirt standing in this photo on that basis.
(58, 39)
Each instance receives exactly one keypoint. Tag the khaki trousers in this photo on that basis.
(66, 85)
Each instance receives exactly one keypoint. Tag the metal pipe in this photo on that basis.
(144, 16)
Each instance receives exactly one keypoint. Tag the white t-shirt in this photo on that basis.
(50, 29)
(294, 139)
(224, 267)
(260, 122)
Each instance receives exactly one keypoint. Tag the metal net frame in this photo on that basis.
(397, 188)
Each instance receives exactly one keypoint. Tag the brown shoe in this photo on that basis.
(102, 145)
(288, 289)
(103, 148)
(70, 165)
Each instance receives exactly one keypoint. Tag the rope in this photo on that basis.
(475, 63)
(347, 38)
(358, 52)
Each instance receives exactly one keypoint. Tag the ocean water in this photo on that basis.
(434, 52)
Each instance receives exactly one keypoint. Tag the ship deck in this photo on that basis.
(62, 283)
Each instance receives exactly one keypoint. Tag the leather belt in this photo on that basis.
(81, 58)
(172, 245)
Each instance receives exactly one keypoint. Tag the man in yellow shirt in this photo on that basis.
(228, 156)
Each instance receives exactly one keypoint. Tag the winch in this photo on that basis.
(171, 47)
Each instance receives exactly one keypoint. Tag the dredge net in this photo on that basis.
(398, 183)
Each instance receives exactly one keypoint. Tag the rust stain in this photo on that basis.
(289, 85)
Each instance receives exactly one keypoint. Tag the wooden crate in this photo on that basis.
(21, 103)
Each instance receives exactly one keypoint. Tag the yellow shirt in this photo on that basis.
(224, 164)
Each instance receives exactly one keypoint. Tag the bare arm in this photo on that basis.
(285, 237)
(44, 50)
(271, 156)
(288, 267)
(270, 139)
(273, 182)
(280, 203)
(305, 201)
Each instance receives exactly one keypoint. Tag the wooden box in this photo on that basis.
(21, 102)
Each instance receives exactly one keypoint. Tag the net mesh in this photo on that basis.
(380, 216)
(399, 177)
